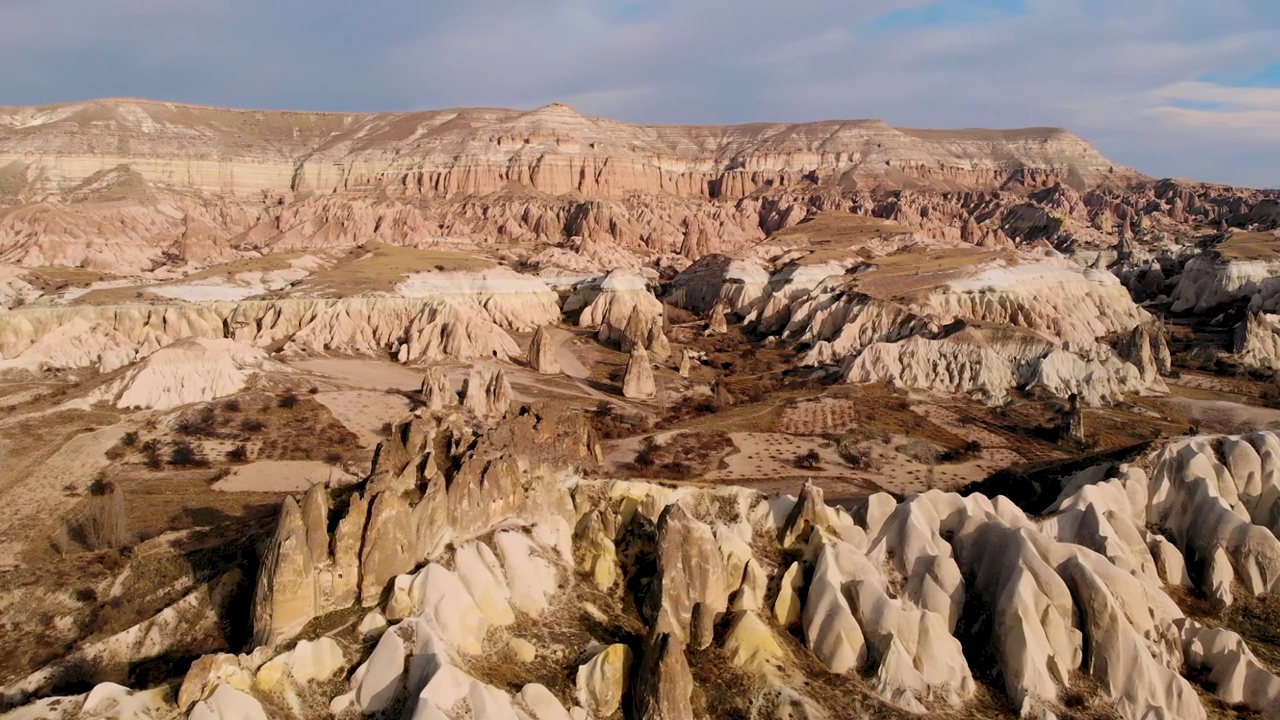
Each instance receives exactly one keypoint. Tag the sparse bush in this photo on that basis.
(151, 452)
(252, 425)
(202, 423)
(231, 405)
(288, 401)
(104, 525)
(130, 438)
(648, 450)
(184, 454)
(313, 390)
(808, 461)
(239, 453)
(971, 449)
(334, 458)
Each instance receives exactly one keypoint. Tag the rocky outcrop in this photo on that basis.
(638, 382)
(1211, 280)
(664, 685)
(486, 392)
(992, 327)
(1147, 350)
(189, 371)
(882, 592)
(1256, 342)
(542, 352)
(116, 185)
(570, 150)
(622, 295)
(111, 337)
(437, 390)
(434, 481)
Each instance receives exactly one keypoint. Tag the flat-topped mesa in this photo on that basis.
(552, 149)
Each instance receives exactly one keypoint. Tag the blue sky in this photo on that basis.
(1186, 88)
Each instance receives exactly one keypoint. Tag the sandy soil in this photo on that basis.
(282, 476)
(368, 374)
(569, 363)
(50, 488)
(364, 412)
(1240, 418)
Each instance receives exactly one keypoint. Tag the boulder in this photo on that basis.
(603, 680)
(542, 352)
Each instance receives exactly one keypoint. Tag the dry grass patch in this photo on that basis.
(378, 268)
(1250, 246)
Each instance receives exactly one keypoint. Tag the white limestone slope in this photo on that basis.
(1035, 323)
(111, 337)
(188, 371)
(511, 300)
(1209, 281)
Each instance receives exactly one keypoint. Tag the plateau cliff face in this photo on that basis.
(553, 150)
(128, 185)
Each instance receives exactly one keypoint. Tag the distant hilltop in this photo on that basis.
(553, 150)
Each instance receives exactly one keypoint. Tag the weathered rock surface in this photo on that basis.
(437, 390)
(1256, 342)
(111, 337)
(189, 371)
(622, 295)
(505, 534)
(486, 392)
(638, 382)
(542, 352)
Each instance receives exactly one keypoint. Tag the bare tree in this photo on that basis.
(61, 540)
(105, 526)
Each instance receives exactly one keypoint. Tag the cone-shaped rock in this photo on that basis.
(663, 689)
(638, 383)
(686, 364)
(285, 599)
(718, 324)
(657, 342)
(542, 352)
(437, 391)
(636, 332)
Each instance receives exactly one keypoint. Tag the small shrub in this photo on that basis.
(130, 438)
(203, 423)
(252, 425)
(288, 401)
(334, 458)
(239, 453)
(648, 451)
(231, 405)
(151, 454)
(184, 454)
(313, 390)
